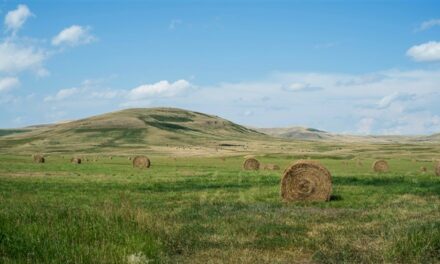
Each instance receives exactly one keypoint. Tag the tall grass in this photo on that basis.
(203, 210)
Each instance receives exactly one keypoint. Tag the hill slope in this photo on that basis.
(311, 134)
(132, 128)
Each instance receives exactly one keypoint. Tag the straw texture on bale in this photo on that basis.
(437, 168)
(141, 162)
(271, 167)
(75, 160)
(306, 180)
(38, 158)
(380, 166)
(251, 164)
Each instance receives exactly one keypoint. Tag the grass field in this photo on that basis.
(205, 210)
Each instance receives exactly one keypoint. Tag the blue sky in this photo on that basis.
(363, 67)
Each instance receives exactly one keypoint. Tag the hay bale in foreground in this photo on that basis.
(437, 168)
(380, 166)
(251, 164)
(142, 162)
(306, 180)
(75, 160)
(271, 167)
(38, 158)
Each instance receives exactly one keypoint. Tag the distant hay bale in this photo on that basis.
(38, 158)
(271, 167)
(423, 169)
(223, 159)
(251, 164)
(142, 162)
(75, 160)
(437, 168)
(129, 158)
(306, 180)
(380, 166)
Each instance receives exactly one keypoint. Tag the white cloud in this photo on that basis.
(73, 36)
(16, 58)
(429, 24)
(429, 51)
(88, 90)
(300, 87)
(15, 19)
(62, 94)
(8, 83)
(386, 101)
(159, 89)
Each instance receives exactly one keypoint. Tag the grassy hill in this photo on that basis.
(312, 134)
(139, 128)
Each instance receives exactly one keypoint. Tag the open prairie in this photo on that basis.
(208, 210)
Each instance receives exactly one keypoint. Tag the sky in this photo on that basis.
(356, 67)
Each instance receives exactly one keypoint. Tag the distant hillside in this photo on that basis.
(131, 128)
(312, 134)
(297, 133)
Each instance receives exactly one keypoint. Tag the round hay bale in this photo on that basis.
(380, 166)
(129, 158)
(271, 167)
(251, 164)
(423, 169)
(437, 168)
(38, 158)
(306, 180)
(75, 160)
(142, 162)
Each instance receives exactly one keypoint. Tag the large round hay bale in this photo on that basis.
(38, 158)
(142, 162)
(271, 167)
(380, 166)
(306, 180)
(251, 164)
(437, 168)
(75, 160)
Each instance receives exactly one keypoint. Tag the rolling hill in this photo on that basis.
(139, 128)
(180, 132)
(312, 134)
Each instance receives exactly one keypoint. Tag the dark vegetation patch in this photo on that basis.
(4, 132)
(168, 118)
(314, 130)
(168, 126)
(230, 145)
